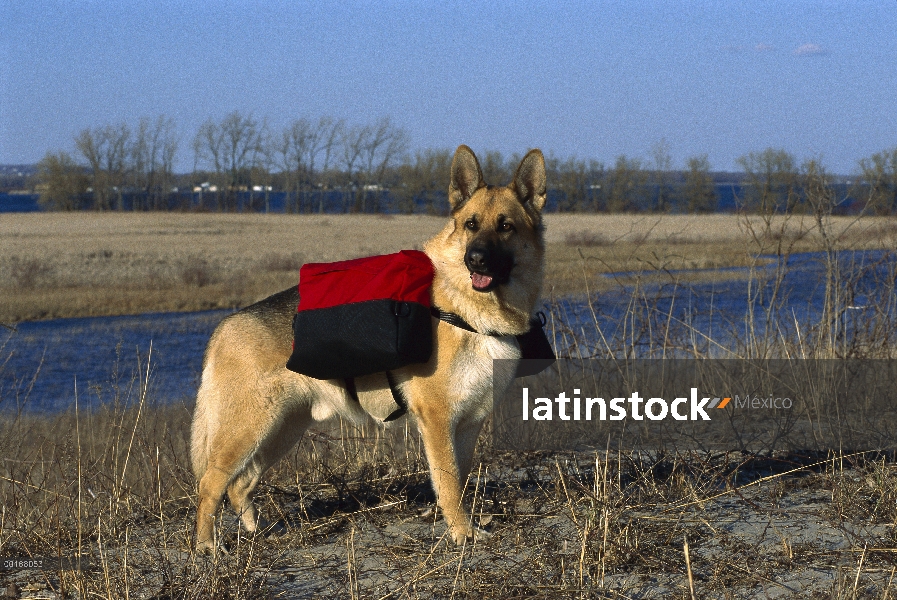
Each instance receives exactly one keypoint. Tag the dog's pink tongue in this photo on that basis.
(480, 281)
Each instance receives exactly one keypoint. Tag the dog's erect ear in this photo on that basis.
(467, 177)
(529, 180)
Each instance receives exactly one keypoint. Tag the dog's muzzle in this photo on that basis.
(489, 266)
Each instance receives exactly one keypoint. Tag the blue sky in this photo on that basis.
(586, 79)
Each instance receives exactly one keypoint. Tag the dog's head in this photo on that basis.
(500, 227)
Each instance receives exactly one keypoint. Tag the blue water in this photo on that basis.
(729, 197)
(709, 317)
(19, 203)
(105, 357)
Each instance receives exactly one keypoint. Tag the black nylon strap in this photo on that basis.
(452, 319)
(458, 321)
(398, 398)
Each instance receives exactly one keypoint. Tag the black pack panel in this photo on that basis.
(536, 353)
(352, 340)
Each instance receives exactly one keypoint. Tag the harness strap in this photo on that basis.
(453, 319)
(458, 321)
(397, 396)
(399, 399)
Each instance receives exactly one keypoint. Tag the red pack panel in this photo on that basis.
(405, 276)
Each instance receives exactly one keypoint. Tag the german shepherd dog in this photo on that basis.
(251, 410)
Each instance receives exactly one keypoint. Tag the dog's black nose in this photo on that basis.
(476, 259)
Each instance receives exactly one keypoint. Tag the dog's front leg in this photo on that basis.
(439, 446)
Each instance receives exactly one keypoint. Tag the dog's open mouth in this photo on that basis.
(480, 281)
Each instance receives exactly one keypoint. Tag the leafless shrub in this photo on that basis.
(275, 262)
(27, 273)
(353, 511)
(784, 235)
(199, 273)
(679, 239)
(586, 238)
(881, 231)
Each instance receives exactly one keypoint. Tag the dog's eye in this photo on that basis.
(506, 226)
(471, 224)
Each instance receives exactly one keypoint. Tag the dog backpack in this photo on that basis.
(359, 319)
(363, 316)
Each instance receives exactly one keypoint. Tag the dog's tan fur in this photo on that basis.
(251, 410)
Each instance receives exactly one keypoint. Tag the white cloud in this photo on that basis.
(763, 48)
(809, 50)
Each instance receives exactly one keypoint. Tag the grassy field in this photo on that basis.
(354, 519)
(88, 264)
(353, 510)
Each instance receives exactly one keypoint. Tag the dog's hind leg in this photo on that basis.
(236, 469)
(211, 492)
(240, 493)
(275, 445)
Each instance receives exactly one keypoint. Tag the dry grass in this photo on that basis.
(85, 264)
(352, 510)
(352, 514)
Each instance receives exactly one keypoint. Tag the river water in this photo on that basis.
(105, 359)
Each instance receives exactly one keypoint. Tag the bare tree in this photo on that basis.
(424, 179)
(880, 175)
(699, 191)
(353, 140)
(294, 154)
(572, 181)
(152, 160)
(595, 177)
(663, 165)
(326, 136)
(625, 186)
(140, 171)
(383, 145)
(106, 151)
(208, 149)
(230, 146)
(496, 171)
(305, 148)
(771, 181)
(262, 166)
(61, 182)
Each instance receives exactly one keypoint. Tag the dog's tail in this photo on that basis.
(199, 434)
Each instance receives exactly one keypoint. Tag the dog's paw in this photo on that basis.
(206, 547)
(469, 534)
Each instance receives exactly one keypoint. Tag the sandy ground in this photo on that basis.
(86, 264)
(553, 533)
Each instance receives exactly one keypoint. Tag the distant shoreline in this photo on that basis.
(55, 265)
